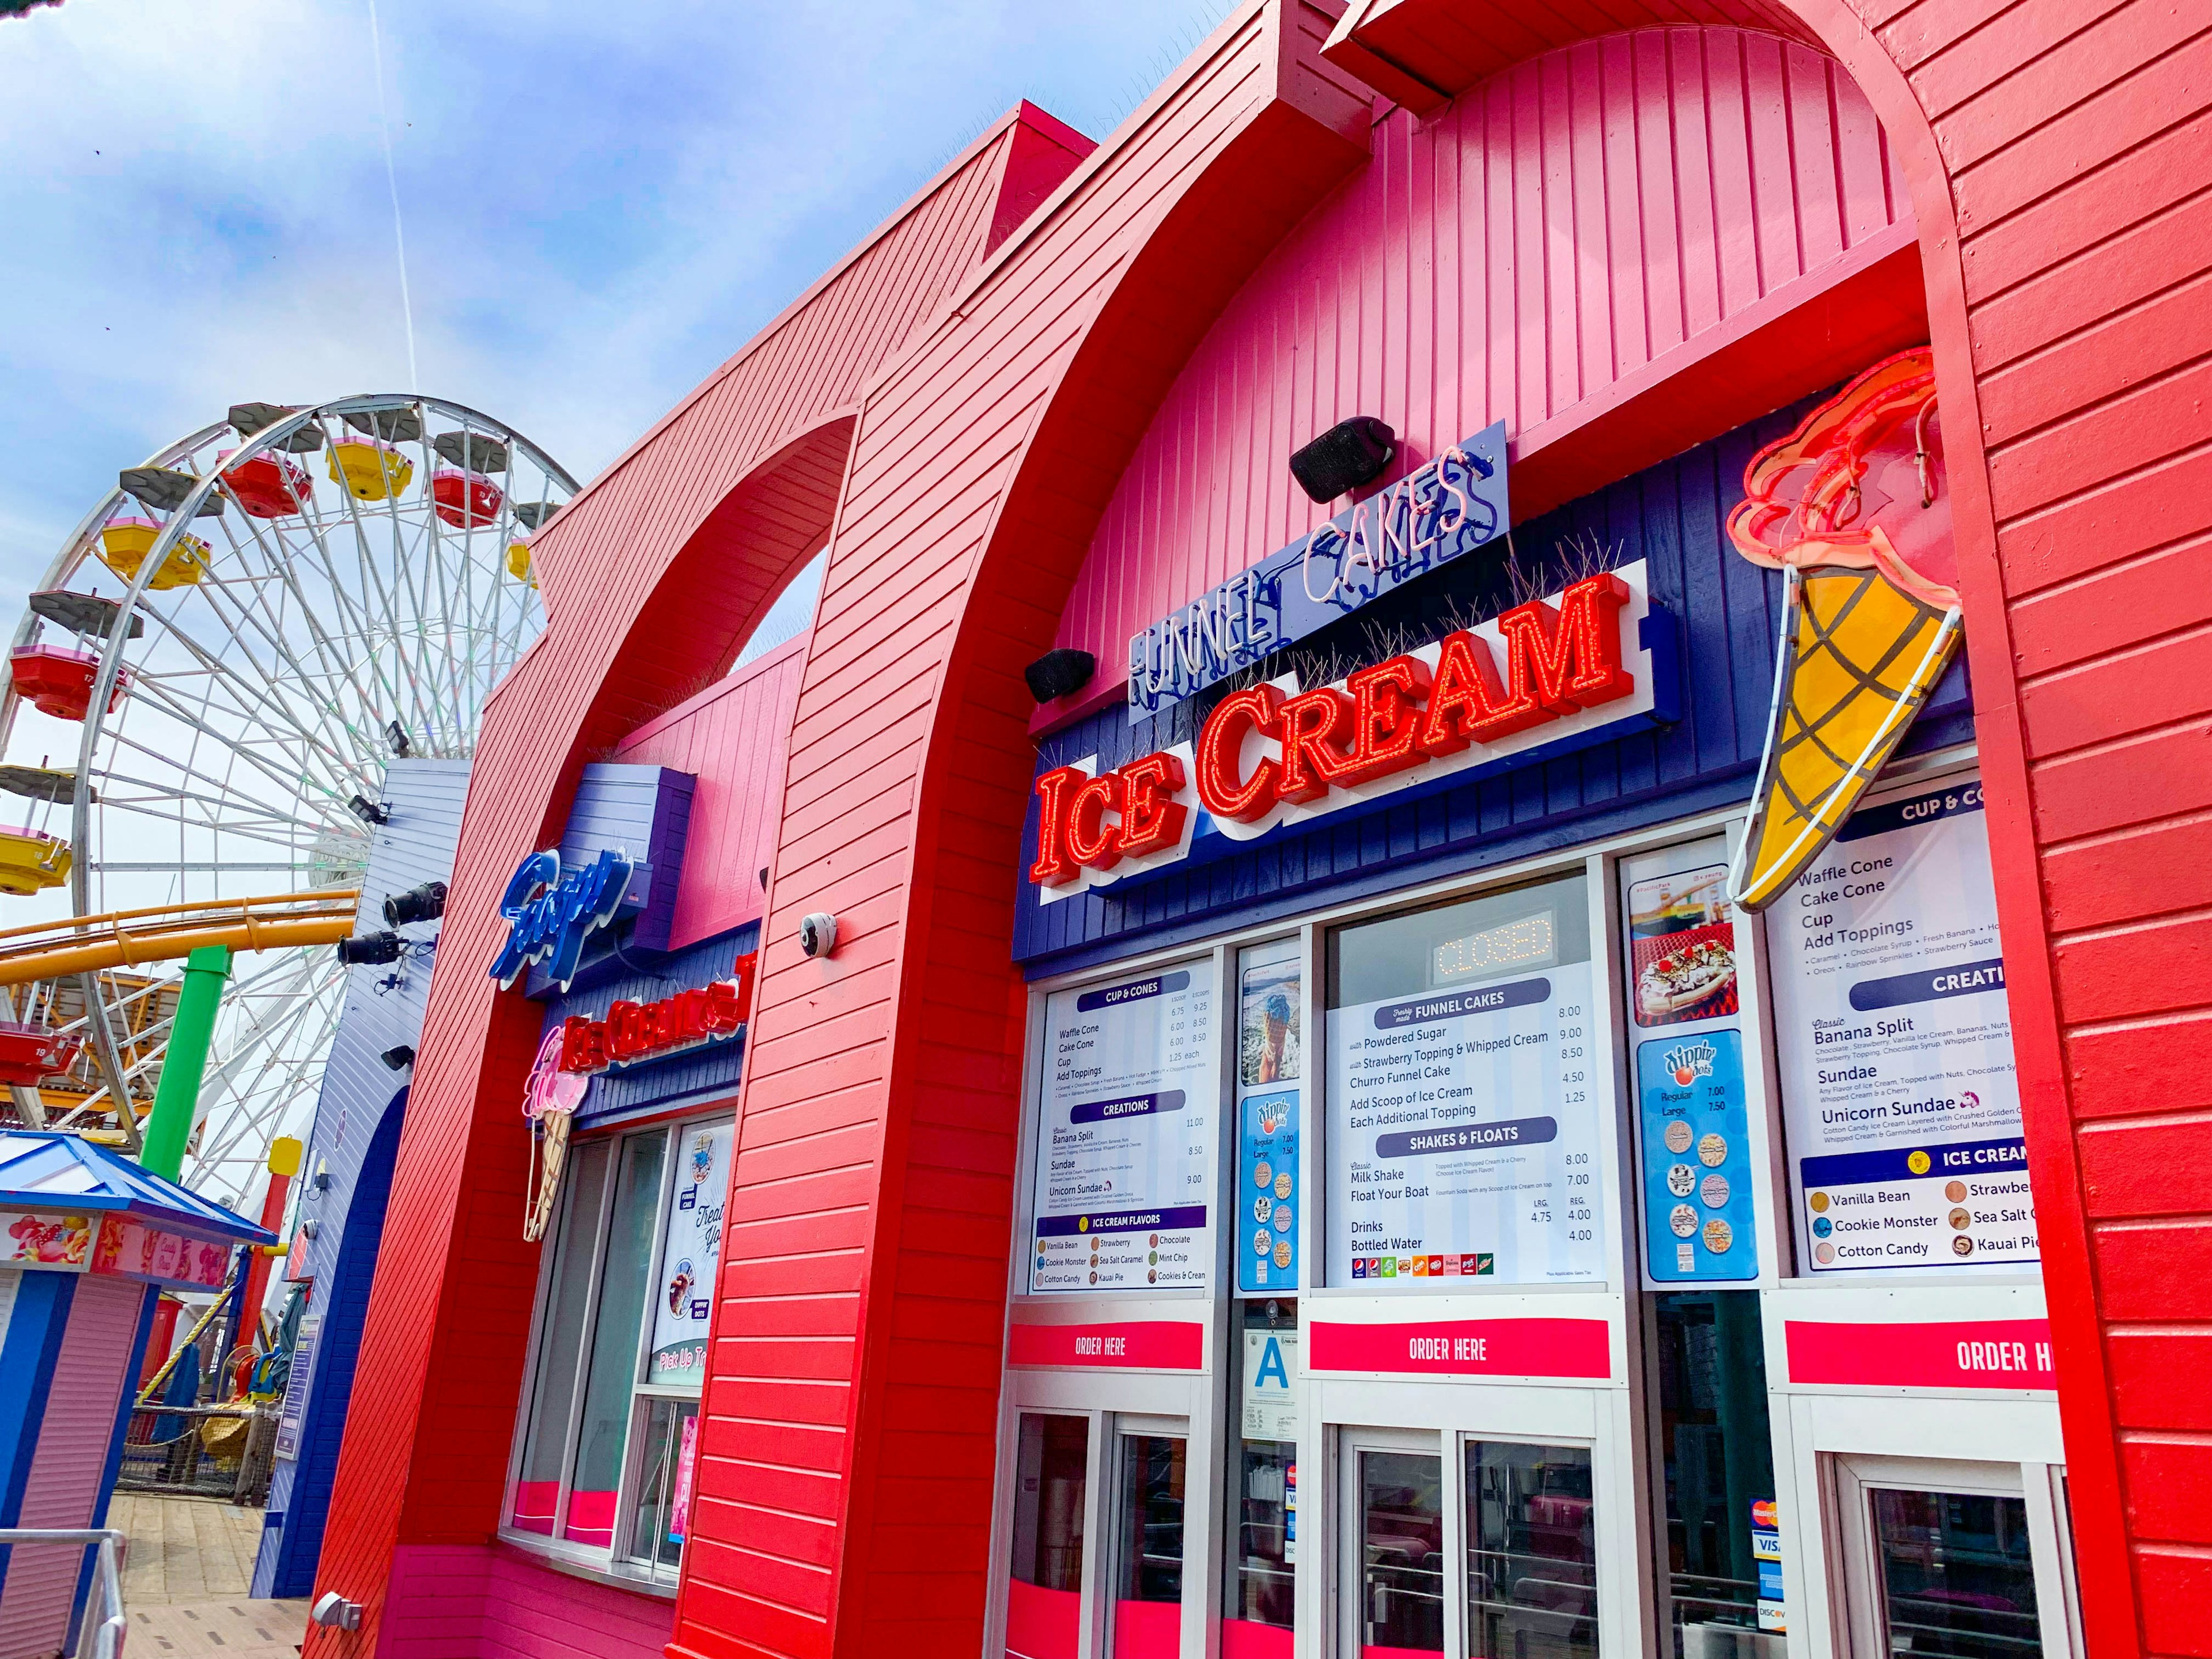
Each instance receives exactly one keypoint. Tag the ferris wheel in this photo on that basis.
(200, 701)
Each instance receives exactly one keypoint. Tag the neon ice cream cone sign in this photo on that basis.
(1852, 509)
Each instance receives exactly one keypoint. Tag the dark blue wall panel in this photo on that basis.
(355, 1130)
(1729, 612)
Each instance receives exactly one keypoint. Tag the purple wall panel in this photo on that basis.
(1550, 234)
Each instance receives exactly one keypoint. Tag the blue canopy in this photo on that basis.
(46, 1169)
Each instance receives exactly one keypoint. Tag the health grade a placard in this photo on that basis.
(1127, 1115)
(1696, 1164)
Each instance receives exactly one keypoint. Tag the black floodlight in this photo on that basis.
(1060, 673)
(369, 812)
(1349, 454)
(396, 735)
(426, 901)
(83, 613)
(370, 950)
(399, 1059)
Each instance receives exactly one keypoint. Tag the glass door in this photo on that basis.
(1044, 1588)
(1958, 1560)
(1396, 1547)
(1147, 1614)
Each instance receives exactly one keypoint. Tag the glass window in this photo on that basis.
(1464, 1129)
(1044, 1592)
(1956, 1577)
(567, 1308)
(1531, 1552)
(628, 1264)
(1148, 1579)
(599, 1425)
(1719, 1459)
(1402, 1548)
(1262, 1577)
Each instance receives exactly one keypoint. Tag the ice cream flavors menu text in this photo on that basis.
(1901, 1100)
(1128, 1112)
(1463, 1135)
(1693, 1150)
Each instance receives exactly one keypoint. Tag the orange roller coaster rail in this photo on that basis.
(124, 938)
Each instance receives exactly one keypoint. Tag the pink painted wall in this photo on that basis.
(67, 1467)
(1550, 235)
(493, 1602)
(733, 736)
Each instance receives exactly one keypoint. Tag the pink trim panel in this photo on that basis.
(1982, 1354)
(1041, 1624)
(493, 1602)
(1160, 1345)
(1248, 1638)
(1467, 1347)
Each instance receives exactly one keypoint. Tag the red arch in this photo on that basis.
(844, 1496)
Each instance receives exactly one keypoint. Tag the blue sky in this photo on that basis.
(601, 202)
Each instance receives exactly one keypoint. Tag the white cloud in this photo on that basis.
(601, 202)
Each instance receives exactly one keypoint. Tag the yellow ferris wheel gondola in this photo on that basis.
(370, 469)
(125, 543)
(31, 861)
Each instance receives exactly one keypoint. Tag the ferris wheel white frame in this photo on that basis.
(457, 737)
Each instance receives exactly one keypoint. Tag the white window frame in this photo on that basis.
(613, 1562)
(2039, 1487)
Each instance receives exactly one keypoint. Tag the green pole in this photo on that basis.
(177, 1097)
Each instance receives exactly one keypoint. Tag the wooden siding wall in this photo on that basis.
(1515, 258)
(68, 1472)
(1727, 614)
(2059, 158)
(731, 737)
(425, 1458)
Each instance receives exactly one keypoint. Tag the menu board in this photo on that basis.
(1270, 1017)
(1692, 1141)
(1128, 1112)
(1901, 1100)
(1463, 1123)
(691, 1247)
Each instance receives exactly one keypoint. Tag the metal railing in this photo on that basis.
(165, 1449)
(103, 1639)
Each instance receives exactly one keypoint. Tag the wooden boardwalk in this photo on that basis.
(185, 1574)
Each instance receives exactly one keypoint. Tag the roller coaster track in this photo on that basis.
(124, 938)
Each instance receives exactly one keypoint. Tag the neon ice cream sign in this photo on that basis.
(1550, 673)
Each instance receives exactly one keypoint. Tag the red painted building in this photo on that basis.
(1051, 403)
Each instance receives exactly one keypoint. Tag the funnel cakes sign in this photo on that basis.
(1454, 505)
(1552, 674)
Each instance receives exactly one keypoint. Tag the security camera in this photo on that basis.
(333, 1612)
(817, 935)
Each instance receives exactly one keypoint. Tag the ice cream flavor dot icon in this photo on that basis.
(1918, 1163)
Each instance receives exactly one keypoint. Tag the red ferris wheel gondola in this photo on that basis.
(465, 500)
(269, 486)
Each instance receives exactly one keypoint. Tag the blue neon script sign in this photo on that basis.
(1452, 506)
(550, 914)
